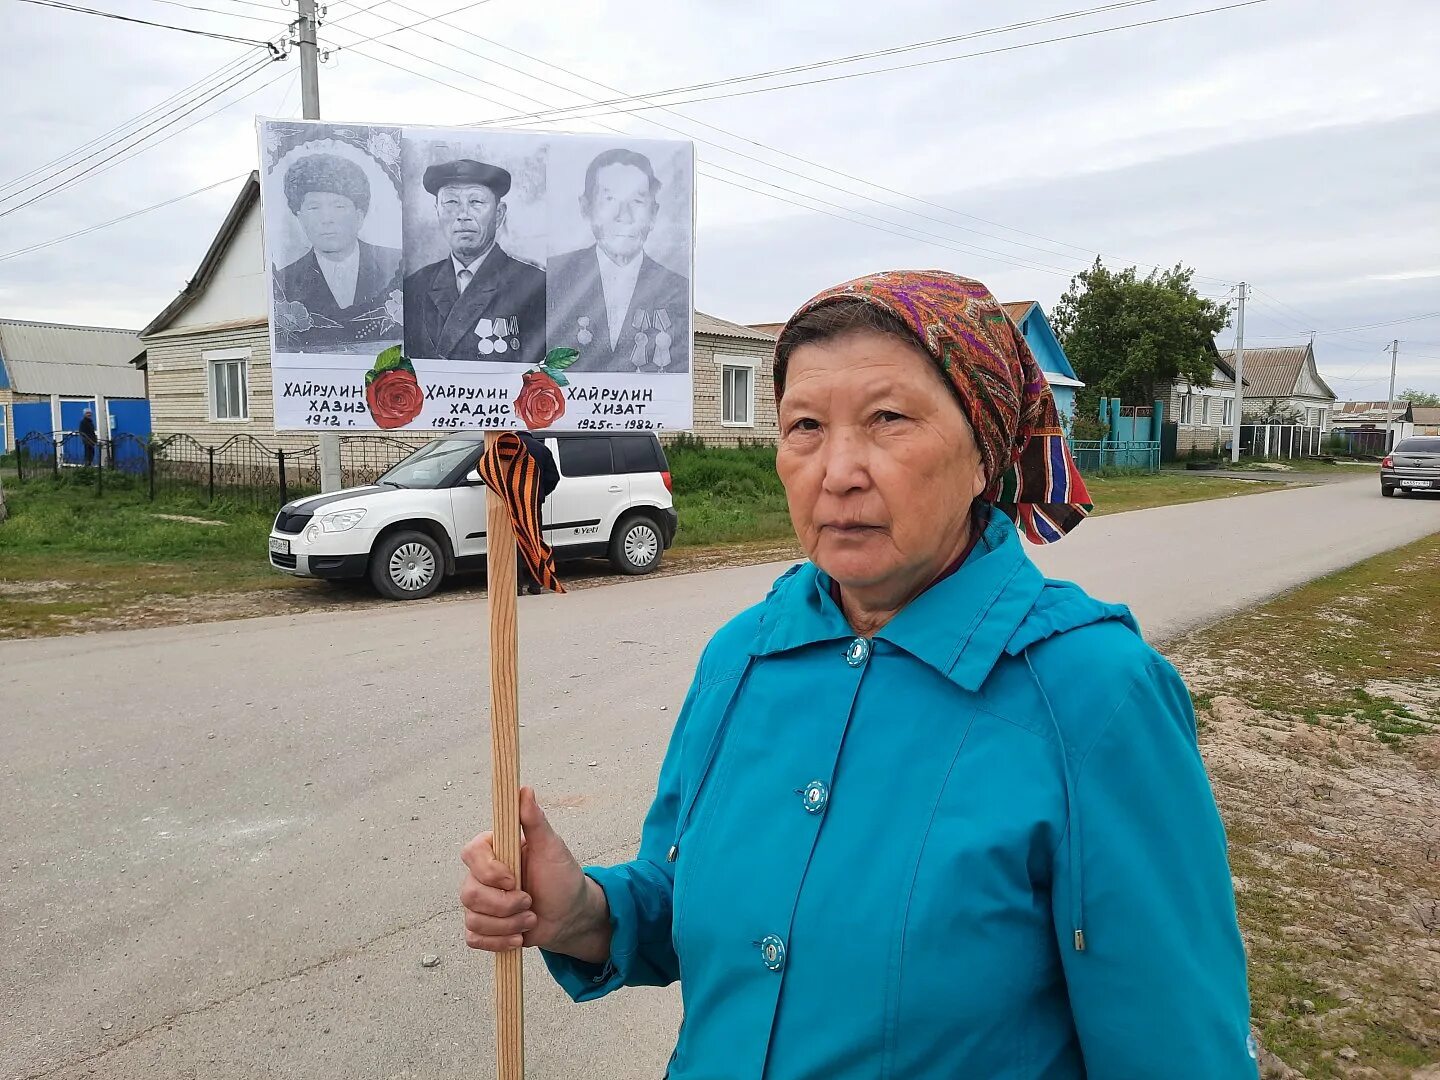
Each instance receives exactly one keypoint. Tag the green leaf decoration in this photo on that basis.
(560, 359)
(392, 359)
(557, 376)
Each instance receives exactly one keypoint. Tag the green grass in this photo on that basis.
(1118, 493)
(64, 552)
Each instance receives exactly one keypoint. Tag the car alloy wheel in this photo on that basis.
(412, 566)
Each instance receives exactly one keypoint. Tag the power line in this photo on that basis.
(218, 73)
(401, 29)
(1387, 322)
(895, 50)
(146, 22)
(220, 11)
(106, 163)
(883, 224)
(554, 114)
(116, 221)
(1068, 272)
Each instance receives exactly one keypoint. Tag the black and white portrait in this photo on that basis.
(474, 248)
(334, 218)
(621, 295)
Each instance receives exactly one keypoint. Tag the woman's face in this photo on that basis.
(878, 461)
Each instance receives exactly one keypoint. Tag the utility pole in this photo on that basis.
(1390, 404)
(1239, 376)
(305, 27)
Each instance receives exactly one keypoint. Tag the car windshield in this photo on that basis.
(1418, 446)
(430, 465)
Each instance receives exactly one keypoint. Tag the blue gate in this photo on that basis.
(129, 416)
(76, 450)
(31, 416)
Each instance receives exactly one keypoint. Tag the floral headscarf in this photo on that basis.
(1031, 476)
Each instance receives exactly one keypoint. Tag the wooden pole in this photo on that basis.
(505, 766)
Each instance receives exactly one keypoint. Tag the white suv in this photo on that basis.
(425, 518)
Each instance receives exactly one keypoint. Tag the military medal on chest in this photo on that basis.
(498, 335)
(582, 333)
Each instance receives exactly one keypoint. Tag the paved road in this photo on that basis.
(227, 847)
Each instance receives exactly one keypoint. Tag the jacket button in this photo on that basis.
(858, 652)
(815, 796)
(772, 952)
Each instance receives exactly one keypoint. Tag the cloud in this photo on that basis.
(1287, 144)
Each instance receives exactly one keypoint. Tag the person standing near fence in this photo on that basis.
(549, 480)
(86, 431)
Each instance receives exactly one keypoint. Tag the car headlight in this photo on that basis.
(341, 521)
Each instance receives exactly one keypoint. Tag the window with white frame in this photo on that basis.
(737, 391)
(228, 376)
(1228, 412)
(1187, 409)
(1202, 410)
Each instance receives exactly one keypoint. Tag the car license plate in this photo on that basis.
(1404, 483)
(280, 546)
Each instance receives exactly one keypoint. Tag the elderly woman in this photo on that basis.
(925, 814)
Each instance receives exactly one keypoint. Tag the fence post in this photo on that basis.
(211, 451)
(59, 440)
(99, 468)
(150, 470)
(284, 491)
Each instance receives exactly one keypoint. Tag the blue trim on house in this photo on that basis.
(1044, 344)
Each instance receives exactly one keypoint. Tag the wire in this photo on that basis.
(147, 22)
(116, 221)
(1088, 251)
(220, 11)
(18, 181)
(1388, 322)
(895, 50)
(114, 159)
(548, 117)
(882, 225)
(401, 29)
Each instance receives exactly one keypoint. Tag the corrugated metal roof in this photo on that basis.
(1426, 415)
(1273, 373)
(708, 324)
(1018, 309)
(75, 361)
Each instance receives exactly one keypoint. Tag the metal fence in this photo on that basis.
(1278, 441)
(1093, 456)
(240, 470)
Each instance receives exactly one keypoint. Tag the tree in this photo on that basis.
(1423, 398)
(1131, 337)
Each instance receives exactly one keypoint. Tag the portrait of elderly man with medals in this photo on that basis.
(622, 310)
(479, 302)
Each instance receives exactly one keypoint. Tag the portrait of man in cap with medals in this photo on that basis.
(618, 307)
(478, 303)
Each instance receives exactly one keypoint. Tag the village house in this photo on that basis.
(207, 358)
(50, 373)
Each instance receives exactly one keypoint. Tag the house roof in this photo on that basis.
(1365, 408)
(771, 328)
(1274, 373)
(72, 361)
(249, 195)
(1018, 309)
(1426, 415)
(709, 324)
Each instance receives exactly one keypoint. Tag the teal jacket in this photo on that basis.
(979, 845)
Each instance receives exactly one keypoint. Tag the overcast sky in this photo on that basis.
(1293, 143)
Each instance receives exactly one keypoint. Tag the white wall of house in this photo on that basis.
(237, 291)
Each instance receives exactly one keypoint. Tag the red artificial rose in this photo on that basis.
(394, 398)
(541, 401)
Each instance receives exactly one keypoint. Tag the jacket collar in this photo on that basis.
(960, 626)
